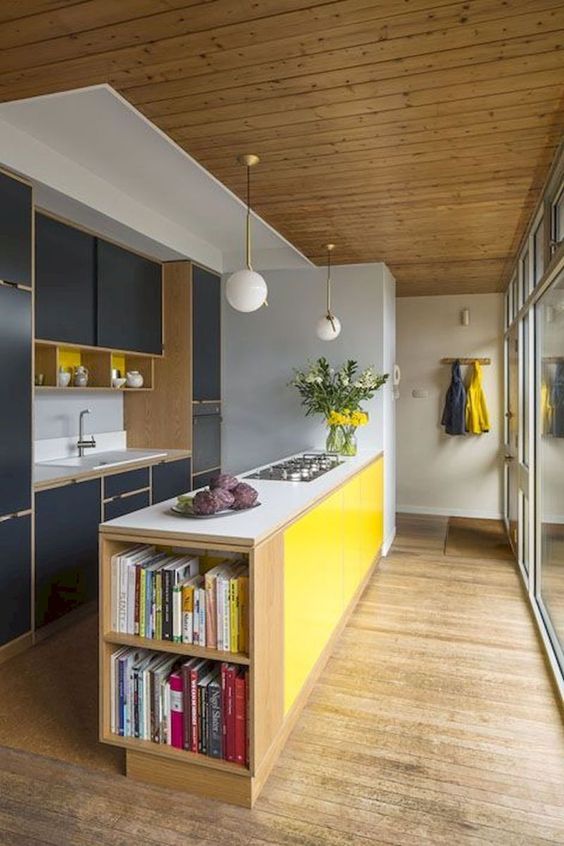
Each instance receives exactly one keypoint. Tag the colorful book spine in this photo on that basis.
(187, 722)
(158, 610)
(137, 600)
(194, 741)
(240, 719)
(211, 613)
(202, 617)
(215, 720)
(188, 614)
(233, 626)
(166, 603)
(177, 614)
(176, 710)
(243, 613)
(142, 602)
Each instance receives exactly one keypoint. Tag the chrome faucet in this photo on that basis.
(82, 443)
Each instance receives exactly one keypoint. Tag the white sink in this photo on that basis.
(103, 459)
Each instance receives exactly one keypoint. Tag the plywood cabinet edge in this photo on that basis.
(162, 418)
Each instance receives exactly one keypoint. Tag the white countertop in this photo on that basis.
(281, 502)
(46, 474)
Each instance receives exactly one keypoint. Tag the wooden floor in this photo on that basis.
(433, 723)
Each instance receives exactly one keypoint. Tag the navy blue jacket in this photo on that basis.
(454, 414)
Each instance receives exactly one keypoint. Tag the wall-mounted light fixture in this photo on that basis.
(465, 317)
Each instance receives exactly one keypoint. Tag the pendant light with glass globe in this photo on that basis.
(328, 326)
(246, 290)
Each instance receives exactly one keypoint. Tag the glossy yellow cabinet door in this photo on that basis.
(352, 558)
(327, 553)
(313, 592)
(372, 496)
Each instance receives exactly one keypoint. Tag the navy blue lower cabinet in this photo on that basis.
(15, 578)
(171, 478)
(66, 549)
(131, 480)
(126, 504)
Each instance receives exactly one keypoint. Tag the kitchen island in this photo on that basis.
(310, 549)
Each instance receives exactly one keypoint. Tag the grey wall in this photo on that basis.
(56, 412)
(262, 416)
(389, 354)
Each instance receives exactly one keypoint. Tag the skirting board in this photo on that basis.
(15, 647)
(387, 545)
(477, 514)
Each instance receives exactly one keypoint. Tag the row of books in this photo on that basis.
(196, 705)
(176, 597)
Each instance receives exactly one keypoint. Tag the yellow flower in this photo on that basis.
(337, 418)
(359, 418)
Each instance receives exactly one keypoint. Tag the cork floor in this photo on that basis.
(434, 722)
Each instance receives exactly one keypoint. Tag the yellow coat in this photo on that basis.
(477, 416)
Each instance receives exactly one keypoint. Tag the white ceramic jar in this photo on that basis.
(134, 379)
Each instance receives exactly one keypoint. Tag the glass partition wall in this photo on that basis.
(549, 587)
(534, 416)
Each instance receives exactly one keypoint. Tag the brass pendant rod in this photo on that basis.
(328, 283)
(249, 265)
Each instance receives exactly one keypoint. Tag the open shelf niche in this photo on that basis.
(51, 356)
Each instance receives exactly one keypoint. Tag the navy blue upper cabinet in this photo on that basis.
(129, 300)
(65, 282)
(15, 400)
(15, 231)
(206, 309)
(66, 548)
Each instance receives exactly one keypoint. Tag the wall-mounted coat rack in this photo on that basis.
(466, 360)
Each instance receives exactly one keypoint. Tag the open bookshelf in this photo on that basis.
(164, 764)
(117, 646)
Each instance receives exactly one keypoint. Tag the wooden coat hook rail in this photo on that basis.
(466, 360)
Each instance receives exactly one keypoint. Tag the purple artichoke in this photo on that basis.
(244, 496)
(224, 480)
(225, 497)
(206, 502)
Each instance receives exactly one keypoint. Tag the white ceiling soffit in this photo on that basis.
(95, 159)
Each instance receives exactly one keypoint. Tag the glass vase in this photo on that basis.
(349, 444)
(335, 438)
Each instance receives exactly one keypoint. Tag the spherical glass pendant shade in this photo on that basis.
(246, 290)
(327, 330)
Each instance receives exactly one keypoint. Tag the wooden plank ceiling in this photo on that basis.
(417, 132)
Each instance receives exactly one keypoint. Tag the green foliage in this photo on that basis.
(324, 389)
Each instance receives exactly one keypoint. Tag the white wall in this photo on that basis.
(262, 416)
(438, 473)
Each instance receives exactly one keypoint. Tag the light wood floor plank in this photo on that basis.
(433, 724)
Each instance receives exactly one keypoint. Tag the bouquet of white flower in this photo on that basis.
(325, 390)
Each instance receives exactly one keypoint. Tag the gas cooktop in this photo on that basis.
(301, 468)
